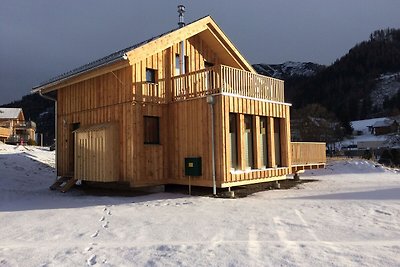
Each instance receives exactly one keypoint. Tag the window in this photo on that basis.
(263, 142)
(178, 64)
(248, 141)
(150, 75)
(151, 130)
(233, 139)
(277, 137)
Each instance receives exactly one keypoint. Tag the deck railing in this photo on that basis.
(224, 79)
(304, 153)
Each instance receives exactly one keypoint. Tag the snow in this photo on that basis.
(288, 69)
(349, 217)
(387, 86)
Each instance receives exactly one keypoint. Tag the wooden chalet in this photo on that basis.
(183, 104)
(13, 127)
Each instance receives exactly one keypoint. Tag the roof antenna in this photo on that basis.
(181, 11)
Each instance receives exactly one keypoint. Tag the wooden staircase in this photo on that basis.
(63, 184)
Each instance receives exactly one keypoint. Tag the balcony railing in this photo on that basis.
(307, 153)
(224, 79)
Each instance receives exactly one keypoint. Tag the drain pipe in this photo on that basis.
(55, 126)
(211, 101)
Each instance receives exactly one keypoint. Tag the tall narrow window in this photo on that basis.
(178, 64)
(277, 137)
(263, 142)
(151, 130)
(248, 141)
(233, 139)
(150, 75)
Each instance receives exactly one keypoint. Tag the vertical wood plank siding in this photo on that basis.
(123, 97)
(304, 153)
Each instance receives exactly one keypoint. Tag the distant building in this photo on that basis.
(385, 127)
(14, 128)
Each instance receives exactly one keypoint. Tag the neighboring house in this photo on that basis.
(14, 128)
(386, 126)
(182, 104)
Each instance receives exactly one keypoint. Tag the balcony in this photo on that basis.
(228, 80)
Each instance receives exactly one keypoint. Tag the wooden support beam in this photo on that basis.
(285, 141)
(256, 142)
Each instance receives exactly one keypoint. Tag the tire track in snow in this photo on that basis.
(312, 233)
(124, 243)
(291, 246)
(254, 246)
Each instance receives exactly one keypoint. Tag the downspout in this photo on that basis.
(211, 101)
(55, 126)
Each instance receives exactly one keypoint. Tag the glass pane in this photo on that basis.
(248, 141)
(277, 137)
(263, 142)
(233, 140)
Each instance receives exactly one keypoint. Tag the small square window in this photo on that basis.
(151, 130)
(150, 75)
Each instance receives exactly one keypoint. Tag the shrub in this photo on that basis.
(367, 154)
(31, 142)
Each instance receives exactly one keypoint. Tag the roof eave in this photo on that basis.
(39, 88)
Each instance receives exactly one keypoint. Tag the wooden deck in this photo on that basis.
(308, 155)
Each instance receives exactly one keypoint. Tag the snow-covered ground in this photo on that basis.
(350, 217)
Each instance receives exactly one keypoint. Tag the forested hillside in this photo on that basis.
(345, 87)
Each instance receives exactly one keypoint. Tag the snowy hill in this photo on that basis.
(386, 87)
(288, 69)
(349, 217)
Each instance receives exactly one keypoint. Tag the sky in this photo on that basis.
(43, 38)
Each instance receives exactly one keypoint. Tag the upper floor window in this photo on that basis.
(178, 64)
(150, 75)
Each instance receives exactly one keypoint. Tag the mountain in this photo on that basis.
(361, 84)
(289, 69)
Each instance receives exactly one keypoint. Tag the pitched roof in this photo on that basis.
(119, 55)
(9, 113)
(384, 123)
(124, 53)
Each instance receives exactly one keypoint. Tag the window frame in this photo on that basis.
(153, 73)
(151, 138)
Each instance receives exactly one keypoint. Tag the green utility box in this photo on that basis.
(193, 166)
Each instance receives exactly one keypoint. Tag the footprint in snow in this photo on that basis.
(102, 219)
(95, 234)
(383, 212)
(91, 260)
(109, 212)
(105, 225)
(88, 249)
